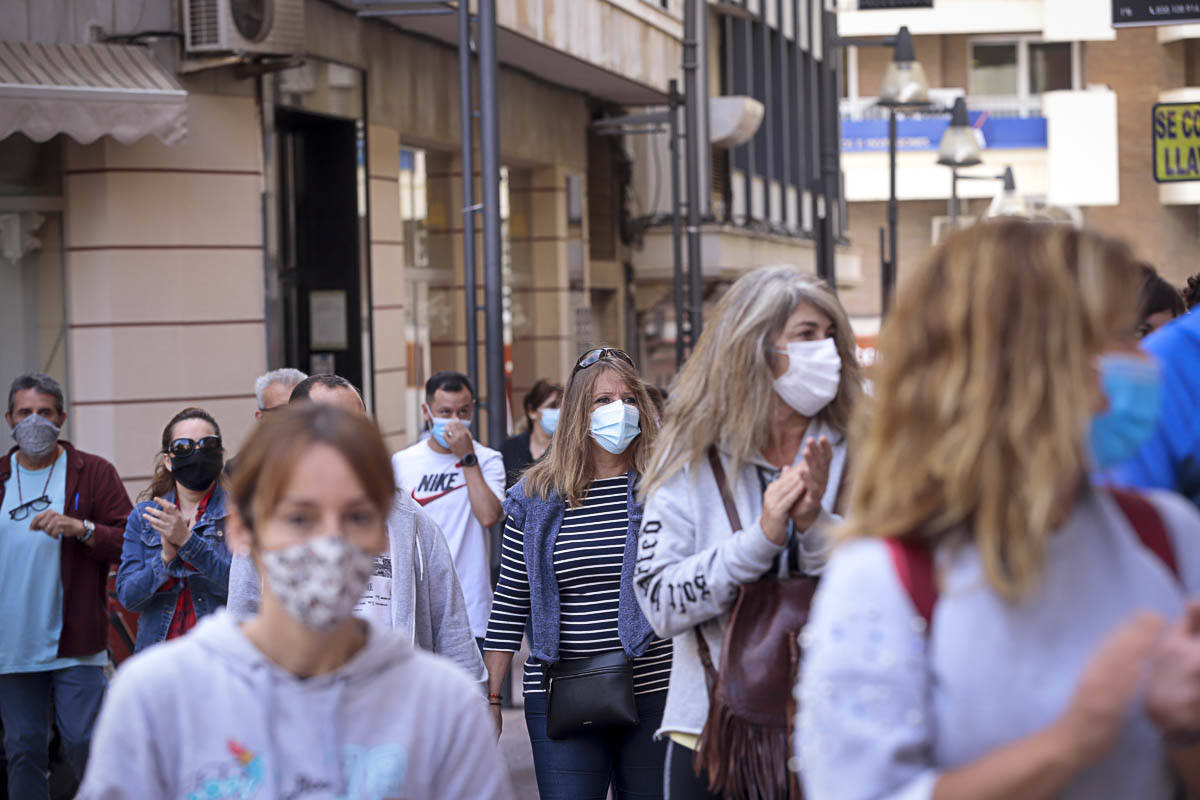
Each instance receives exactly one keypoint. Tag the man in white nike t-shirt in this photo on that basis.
(460, 484)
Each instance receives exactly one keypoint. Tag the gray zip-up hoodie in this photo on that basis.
(691, 564)
(427, 599)
(210, 716)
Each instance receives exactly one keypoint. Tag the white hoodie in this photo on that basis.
(209, 716)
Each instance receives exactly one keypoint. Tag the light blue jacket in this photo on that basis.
(142, 572)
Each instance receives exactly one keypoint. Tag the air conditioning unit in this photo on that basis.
(264, 27)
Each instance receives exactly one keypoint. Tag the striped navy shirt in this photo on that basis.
(588, 554)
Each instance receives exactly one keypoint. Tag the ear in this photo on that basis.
(166, 457)
(258, 416)
(9, 419)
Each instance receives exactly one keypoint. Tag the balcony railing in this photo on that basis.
(997, 106)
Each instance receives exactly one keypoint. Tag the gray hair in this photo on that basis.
(286, 377)
(40, 383)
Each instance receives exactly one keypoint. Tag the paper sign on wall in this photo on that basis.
(327, 329)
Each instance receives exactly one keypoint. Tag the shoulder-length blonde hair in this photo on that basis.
(984, 388)
(567, 467)
(723, 394)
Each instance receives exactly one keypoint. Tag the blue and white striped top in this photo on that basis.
(588, 554)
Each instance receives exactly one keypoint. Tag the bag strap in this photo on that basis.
(735, 523)
(913, 561)
(1148, 524)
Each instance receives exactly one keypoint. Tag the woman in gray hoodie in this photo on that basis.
(304, 699)
(770, 385)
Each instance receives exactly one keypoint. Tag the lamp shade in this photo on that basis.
(960, 145)
(1008, 203)
(904, 81)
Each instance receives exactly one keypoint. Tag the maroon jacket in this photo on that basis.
(94, 492)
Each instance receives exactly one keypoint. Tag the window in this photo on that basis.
(1049, 66)
(1007, 77)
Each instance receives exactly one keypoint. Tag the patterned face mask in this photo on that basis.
(319, 581)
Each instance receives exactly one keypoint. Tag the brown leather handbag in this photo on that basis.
(745, 747)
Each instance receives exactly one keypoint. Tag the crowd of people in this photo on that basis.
(976, 580)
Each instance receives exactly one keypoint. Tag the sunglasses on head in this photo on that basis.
(182, 448)
(599, 354)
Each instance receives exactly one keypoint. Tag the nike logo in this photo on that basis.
(424, 501)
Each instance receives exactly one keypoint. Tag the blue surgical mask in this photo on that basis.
(549, 420)
(1133, 387)
(615, 425)
(437, 426)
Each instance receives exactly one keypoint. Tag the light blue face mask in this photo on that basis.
(1133, 387)
(437, 427)
(615, 425)
(549, 420)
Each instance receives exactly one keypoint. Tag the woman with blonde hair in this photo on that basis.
(766, 396)
(597, 676)
(994, 626)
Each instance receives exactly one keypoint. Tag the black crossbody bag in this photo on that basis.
(588, 694)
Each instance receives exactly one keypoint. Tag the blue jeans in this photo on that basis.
(25, 712)
(581, 768)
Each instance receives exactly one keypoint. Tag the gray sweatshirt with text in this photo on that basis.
(691, 564)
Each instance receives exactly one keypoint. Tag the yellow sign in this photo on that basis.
(1176, 142)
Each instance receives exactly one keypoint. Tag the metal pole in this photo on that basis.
(830, 148)
(676, 222)
(493, 278)
(953, 199)
(692, 104)
(889, 271)
(467, 120)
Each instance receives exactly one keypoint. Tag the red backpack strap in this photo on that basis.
(1148, 524)
(914, 566)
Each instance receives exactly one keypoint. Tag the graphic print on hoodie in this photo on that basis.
(209, 717)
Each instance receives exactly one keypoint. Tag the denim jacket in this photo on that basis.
(539, 521)
(142, 572)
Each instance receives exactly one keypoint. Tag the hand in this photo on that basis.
(169, 551)
(458, 436)
(778, 500)
(164, 517)
(1173, 689)
(497, 717)
(814, 471)
(1107, 688)
(56, 525)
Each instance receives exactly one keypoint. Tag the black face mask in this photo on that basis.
(198, 469)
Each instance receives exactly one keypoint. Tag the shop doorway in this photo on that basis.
(319, 264)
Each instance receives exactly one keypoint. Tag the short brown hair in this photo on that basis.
(265, 463)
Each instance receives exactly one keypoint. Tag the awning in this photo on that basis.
(88, 91)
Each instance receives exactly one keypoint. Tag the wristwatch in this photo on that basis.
(89, 530)
(470, 460)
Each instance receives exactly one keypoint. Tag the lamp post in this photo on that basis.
(959, 148)
(904, 86)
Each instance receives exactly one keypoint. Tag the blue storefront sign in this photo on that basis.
(999, 133)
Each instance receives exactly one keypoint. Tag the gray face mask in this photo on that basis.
(36, 436)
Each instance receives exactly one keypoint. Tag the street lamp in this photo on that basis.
(904, 86)
(959, 148)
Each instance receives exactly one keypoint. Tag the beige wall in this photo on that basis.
(165, 286)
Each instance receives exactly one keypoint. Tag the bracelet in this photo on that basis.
(494, 703)
(494, 697)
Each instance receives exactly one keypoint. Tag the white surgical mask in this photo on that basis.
(813, 375)
(319, 581)
(615, 425)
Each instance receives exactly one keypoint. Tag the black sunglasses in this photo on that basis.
(38, 504)
(182, 448)
(600, 353)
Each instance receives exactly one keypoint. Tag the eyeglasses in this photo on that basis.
(182, 448)
(594, 356)
(38, 504)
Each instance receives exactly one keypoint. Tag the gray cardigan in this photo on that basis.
(427, 600)
(539, 521)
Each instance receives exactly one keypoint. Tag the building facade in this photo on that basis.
(193, 192)
(1056, 92)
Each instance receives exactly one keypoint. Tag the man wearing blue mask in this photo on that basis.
(1169, 456)
(460, 484)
